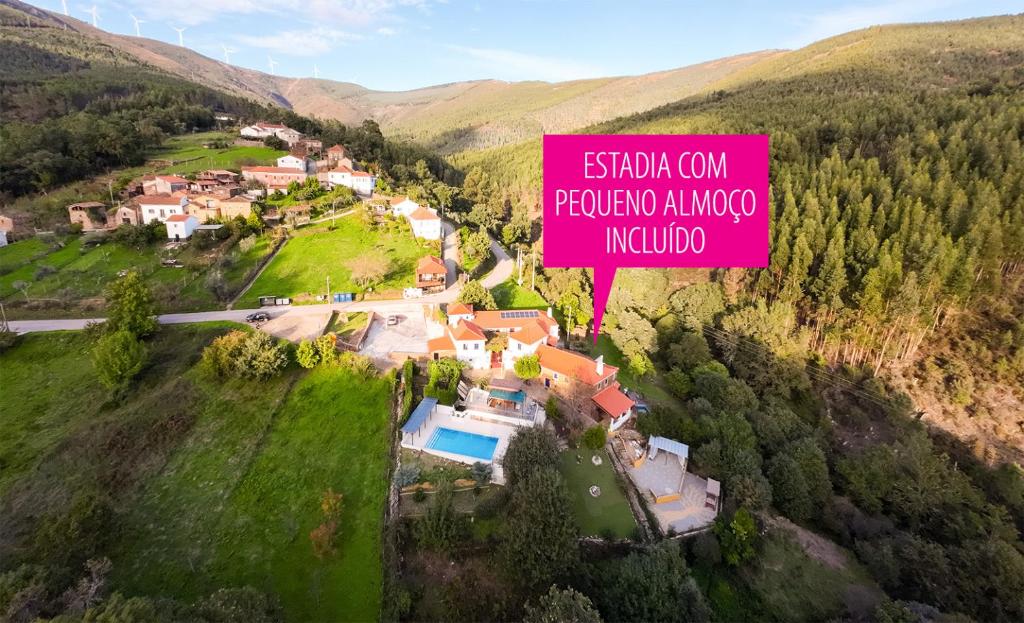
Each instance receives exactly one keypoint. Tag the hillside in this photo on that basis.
(449, 117)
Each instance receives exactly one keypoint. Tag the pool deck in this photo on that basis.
(661, 476)
(446, 417)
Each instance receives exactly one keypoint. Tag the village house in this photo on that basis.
(234, 207)
(431, 274)
(263, 130)
(91, 215)
(309, 147)
(297, 215)
(533, 332)
(274, 178)
(161, 207)
(403, 206)
(203, 185)
(204, 208)
(6, 227)
(125, 214)
(425, 223)
(338, 156)
(164, 184)
(293, 161)
(361, 182)
(181, 226)
(219, 175)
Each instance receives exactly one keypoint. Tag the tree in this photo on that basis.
(481, 472)
(689, 351)
(527, 367)
(789, 489)
(562, 606)
(595, 437)
(497, 343)
(306, 354)
(652, 585)
(539, 539)
(528, 450)
(118, 358)
(130, 306)
(260, 357)
(697, 305)
(369, 268)
(441, 528)
(475, 294)
(737, 537)
(552, 409)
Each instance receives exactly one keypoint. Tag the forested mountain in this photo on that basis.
(449, 117)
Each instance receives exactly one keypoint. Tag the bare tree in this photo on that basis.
(369, 268)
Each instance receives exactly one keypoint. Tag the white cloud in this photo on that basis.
(300, 42)
(386, 32)
(513, 65)
(855, 16)
(195, 12)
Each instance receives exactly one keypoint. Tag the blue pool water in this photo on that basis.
(460, 442)
(508, 394)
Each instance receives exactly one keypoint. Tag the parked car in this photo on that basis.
(172, 263)
(257, 317)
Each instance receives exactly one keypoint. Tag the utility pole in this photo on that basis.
(328, 289)
(110, 188)
(533, 275)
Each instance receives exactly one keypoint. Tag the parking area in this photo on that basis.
(386, 345)
(297, 326)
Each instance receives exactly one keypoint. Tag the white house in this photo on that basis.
(161, 207)
(181, 226)
(403, 206)
(425, 223)
(361, 182)
(291, 161)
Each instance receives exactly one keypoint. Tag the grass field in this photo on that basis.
(510, 295)
(79, 274)
(227, 496)
(652, 391)
(188, 155)
(315, 253)
(605, 515)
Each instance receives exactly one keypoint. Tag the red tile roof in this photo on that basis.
(440, 344)
(430, 264)
(493, 320)
(173, 179)
(336, 148)
(455, 309)
(531, 334)
(178, 218)
(612, 401)
(274, 170)
(579, 367)
(159, 200)
(466, 330)
(423, 214)
(361, 174)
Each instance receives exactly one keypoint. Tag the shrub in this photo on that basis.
(441, 528)
(130, 306)
(253, 355)
(595, 437)
(306, 355)
(118, 357)
(481, 472)
(527, 367)
(552, 409)
(475, 294)
(529, 449)
(406, 475)
(737, 537)
(562, 605)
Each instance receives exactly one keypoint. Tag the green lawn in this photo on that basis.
(225, 497)
(607, 514)
(510, 295)
(16, 254)
(188, 155)
(83, 273)
(305, 261)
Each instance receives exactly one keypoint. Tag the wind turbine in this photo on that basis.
(64, 3)
(227, 53)
(316, 71)
(137, 22)
(181, 37)
(94, 14)
(272, 63)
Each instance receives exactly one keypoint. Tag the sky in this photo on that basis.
(407, 44)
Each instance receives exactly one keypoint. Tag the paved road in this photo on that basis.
(502, 271)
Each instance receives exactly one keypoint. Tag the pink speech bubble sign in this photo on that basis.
(598, 207)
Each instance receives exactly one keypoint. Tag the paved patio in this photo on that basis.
(661, 476)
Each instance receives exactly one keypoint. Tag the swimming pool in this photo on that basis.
(507, 394)
(460, 442)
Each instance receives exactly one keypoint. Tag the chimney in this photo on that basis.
(549, 313)
(600, 364)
